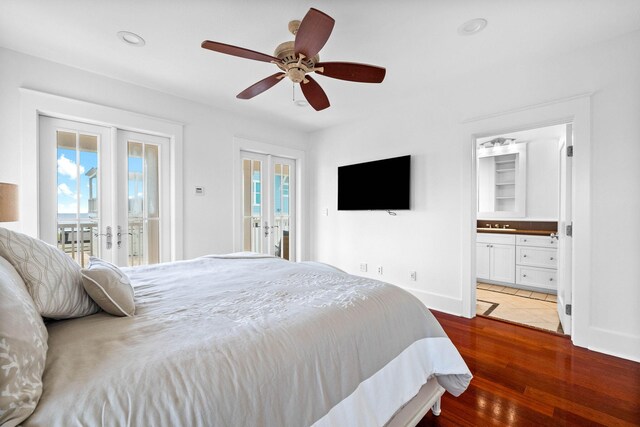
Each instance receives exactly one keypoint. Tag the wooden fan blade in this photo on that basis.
(352, 71)
(314, 94)
(261, 86)
(313, 33)
(238, 51)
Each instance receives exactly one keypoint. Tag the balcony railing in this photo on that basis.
(80, 240)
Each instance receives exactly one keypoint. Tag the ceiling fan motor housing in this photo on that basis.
(292, 64)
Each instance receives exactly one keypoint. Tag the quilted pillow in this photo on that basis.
(53, 279)
(23, 349)
(109, 287)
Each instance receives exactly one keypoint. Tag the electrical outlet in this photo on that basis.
(363, 266)
(413, 275)
(325, 211)
(380, 269)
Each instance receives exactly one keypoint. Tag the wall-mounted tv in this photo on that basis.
(379, 185)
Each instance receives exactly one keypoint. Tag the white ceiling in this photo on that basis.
(416, 41)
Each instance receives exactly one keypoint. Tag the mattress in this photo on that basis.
(245, 340)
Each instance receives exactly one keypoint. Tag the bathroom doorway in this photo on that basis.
(523, 227)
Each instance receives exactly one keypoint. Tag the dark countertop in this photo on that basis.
(516, 231)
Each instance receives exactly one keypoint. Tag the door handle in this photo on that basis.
(108, 235)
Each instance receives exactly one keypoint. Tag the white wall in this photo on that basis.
(208, 138)
(428, 238)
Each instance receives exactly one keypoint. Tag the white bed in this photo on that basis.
(249, 340)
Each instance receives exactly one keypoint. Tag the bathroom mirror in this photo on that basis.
(501, 180)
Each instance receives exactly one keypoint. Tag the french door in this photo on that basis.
(103, 192)
(268, 204)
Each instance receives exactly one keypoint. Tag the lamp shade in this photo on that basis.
(8, 202)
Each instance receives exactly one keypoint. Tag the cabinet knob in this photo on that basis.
(524, 275)
(524, 256)
(551, 258)
(524, 240)
(551, 279)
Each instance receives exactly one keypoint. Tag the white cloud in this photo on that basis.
(64, 189)
(69, 168)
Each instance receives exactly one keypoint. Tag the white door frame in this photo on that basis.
(35, 103)
(300, 225)
(576, 110)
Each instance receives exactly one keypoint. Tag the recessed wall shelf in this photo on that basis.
(501, 181)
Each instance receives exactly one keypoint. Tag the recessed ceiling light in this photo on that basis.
(471, 27)
(131, 39)
(301, 103)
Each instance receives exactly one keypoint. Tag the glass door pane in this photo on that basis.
(252, 205)
(143, 211)
(281, 212)
(78, 186)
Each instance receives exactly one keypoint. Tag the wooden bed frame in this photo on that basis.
(427, 398)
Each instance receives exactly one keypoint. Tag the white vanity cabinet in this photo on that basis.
(521, 261)
(537, 262)
(495, 257)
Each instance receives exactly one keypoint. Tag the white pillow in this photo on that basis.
(53, 279)
(23, 349)
(109, 287)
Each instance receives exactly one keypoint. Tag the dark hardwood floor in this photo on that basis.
(526, 377)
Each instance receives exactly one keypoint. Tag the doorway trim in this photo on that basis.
(34, 103)
(576, 110)
(245, 144)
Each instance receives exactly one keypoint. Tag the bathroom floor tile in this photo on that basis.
(523, 293)
(538, 295)
(535, 309)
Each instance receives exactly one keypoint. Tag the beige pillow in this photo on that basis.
(23, 349)
(53, 279)
(109, 287)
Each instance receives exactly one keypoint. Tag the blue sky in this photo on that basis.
(68, 172)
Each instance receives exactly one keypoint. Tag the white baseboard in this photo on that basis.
(617, 344)
(438, 302)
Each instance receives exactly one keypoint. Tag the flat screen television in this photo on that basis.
(379, 185)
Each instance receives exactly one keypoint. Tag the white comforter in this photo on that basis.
(234, 341)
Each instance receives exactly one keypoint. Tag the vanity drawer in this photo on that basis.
(541, 241)
(537, 277)
(537, 257)
(500, 239)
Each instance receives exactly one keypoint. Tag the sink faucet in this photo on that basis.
(488, 225)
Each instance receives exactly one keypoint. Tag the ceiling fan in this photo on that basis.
(296, 59)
